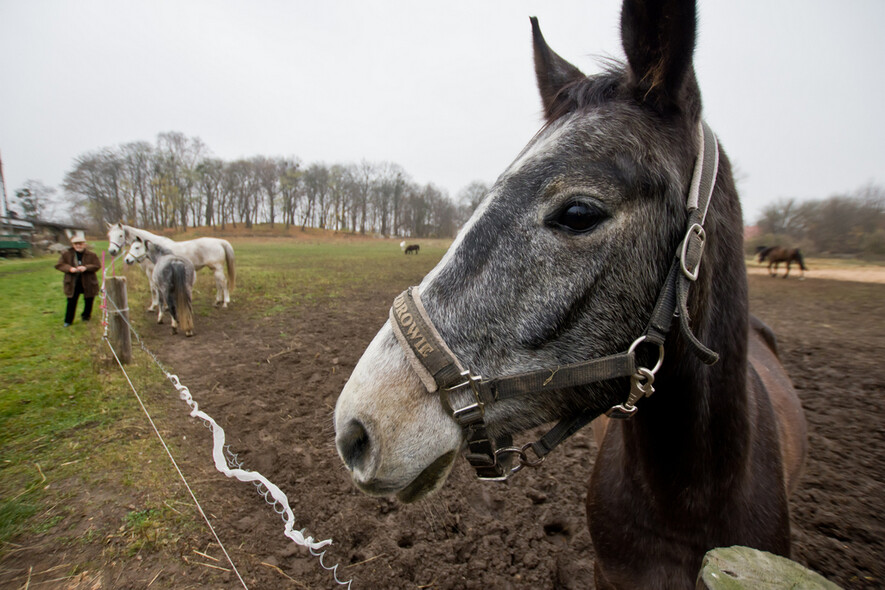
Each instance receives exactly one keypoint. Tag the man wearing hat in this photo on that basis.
(79, 266)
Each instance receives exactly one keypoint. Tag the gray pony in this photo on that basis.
(174, 277)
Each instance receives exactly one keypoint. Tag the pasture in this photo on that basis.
(89, 499)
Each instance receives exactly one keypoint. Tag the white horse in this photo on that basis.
(174, 277)
(212, 252)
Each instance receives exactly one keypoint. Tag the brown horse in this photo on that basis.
(412, 249)
(572, 277)
(776, 254)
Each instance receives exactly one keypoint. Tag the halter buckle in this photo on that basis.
(696, 230)
(470, 413)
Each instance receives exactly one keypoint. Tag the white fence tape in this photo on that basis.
(276, 493)
(232, 468)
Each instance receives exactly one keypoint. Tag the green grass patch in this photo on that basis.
(68, 420)
(56, 406)
(276, 276)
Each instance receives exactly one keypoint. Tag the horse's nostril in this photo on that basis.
(353, 444)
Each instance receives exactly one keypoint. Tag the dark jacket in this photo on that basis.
(68, 260)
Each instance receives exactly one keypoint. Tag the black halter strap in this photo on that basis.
(465, 395)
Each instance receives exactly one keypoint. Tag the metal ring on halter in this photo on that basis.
(648, 376)
(660, 362)
(523, 458)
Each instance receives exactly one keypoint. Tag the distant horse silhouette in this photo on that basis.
(562, 291)
(412, 249)
(776, 254)
(174, 276)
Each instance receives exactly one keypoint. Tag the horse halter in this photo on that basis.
(465, 395)
(119, 247)
(138, 257)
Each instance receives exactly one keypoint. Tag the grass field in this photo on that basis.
(62, 416)
(69, 421)
(66, 411)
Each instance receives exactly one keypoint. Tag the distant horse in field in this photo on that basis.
(174, 276)
(562, 291)
(776, 254)
(410, 249)
(215, 253)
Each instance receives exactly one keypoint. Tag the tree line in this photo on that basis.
(177, 182)
(850, 224)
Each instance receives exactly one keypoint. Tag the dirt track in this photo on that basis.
(866, 274)
(274, 395)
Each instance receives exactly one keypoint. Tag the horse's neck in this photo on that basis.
(148, 236)
(694, 430)
(156, 251)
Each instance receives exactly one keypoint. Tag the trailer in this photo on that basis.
(12, 244)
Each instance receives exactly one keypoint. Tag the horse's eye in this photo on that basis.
(577, 216)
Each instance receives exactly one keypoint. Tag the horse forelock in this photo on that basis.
(591, 91)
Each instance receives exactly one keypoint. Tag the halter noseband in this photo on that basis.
(465, 395)
(139, 257)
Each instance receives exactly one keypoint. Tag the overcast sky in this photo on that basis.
(793, 88)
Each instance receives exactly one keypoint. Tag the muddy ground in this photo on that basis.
(275, 394)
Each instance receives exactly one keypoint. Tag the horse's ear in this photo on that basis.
(659, 39)
(553, 74)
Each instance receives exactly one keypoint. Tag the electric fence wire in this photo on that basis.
(232, 466)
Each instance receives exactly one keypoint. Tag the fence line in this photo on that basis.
(177, 469)
(230, 467)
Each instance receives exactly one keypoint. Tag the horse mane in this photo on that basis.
(159, 249)
(145, 235)
(612, 82)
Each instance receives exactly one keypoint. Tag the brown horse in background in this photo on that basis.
(778, 254)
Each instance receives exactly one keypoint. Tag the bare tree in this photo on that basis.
(96, 179)
(267, 178)
(138, 168)
(36, 200)
(363, 177)
(177, 182)
(316, 191)
(210, 172)
(779, 218)
(387, 191)
(290, 188)
(469, 199)
(178, 156)
(239, 185)
(441, 213)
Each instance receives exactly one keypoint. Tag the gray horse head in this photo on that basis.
(562, 262)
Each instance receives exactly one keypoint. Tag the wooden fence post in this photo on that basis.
(118, 318)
